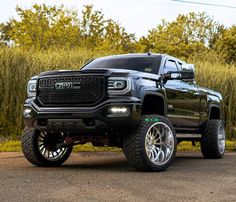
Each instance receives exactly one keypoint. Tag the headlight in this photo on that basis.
(119, 85)
(31, 88)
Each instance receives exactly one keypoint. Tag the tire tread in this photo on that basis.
(209, 140)
(30, 150)
(134, 151)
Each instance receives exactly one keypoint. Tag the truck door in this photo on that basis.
(183, 99)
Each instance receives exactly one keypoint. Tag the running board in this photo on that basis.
(191, 136)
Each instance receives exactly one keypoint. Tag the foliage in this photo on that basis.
(15, 146)
(17, 66)
(226, 45)
(43, 27)
(219, 76)
(186, 35)
(187, 145)
(51, 37)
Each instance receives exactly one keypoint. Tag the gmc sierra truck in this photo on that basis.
(143, 103)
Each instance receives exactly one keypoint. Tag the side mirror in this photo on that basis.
(167, 76)
(186, 73)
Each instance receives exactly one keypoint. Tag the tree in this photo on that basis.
(187, 34)
(103, 35)
(42, 27)
(226, 44)
(116, 39)
(4, 37)
(92, 26)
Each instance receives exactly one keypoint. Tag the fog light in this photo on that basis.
(119, 109)
(27, 112)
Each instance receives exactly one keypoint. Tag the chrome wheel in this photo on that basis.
(159, 143)
(48, 146)
(221, 139)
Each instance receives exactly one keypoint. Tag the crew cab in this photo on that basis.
(143, 103)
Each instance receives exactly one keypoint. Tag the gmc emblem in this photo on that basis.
(67, 85)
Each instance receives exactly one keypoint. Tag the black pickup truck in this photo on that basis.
(143, 103)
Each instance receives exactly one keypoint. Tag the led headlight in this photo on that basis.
(27, 112)
(116, 85)
(119, 85)
(31, 88)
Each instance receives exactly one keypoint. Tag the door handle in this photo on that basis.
(184, 91)
(196, 94)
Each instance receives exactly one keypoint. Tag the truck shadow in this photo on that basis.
(121, 164)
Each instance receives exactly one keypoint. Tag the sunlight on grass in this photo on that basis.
(18, 65)
(10, 146)
(90, 147)
(15, 146)
(187, 146)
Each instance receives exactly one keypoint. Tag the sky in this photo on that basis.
(137, 16)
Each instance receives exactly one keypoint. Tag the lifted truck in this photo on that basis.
(142, 103)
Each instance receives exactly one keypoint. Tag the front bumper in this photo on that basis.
(85, 120)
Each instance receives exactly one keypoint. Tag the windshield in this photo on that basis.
(148, 64)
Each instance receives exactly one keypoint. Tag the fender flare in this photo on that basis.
(211, 105)
(158, 94)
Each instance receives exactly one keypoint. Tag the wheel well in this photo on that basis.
(153, 104)
(214, 113)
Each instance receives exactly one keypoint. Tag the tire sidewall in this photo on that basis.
(217, 137)
(144, 133)
(36, 154)
(209, 141)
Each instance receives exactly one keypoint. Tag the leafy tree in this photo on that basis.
(103, 35)
(4, 37)
(115, 38)
(41, 27)
(92, 26)
(226, 44)
(187, 34)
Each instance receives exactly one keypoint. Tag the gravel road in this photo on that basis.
(106, 176)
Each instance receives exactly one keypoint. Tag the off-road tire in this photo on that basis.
(32, 153)
(134, 146)
(209, 140)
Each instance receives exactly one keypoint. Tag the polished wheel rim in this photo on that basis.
(47, 146)
(221, 139)
(159, 143)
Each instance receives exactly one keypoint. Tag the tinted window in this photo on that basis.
(170, 66)
(143, 64)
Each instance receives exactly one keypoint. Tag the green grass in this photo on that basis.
(15, 146)
(90, 147)
(187, 146)
(18, 65)
(10, 146)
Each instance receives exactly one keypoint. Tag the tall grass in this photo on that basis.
(216, 75)
(17, 66)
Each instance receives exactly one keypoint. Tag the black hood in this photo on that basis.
(97, 71)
